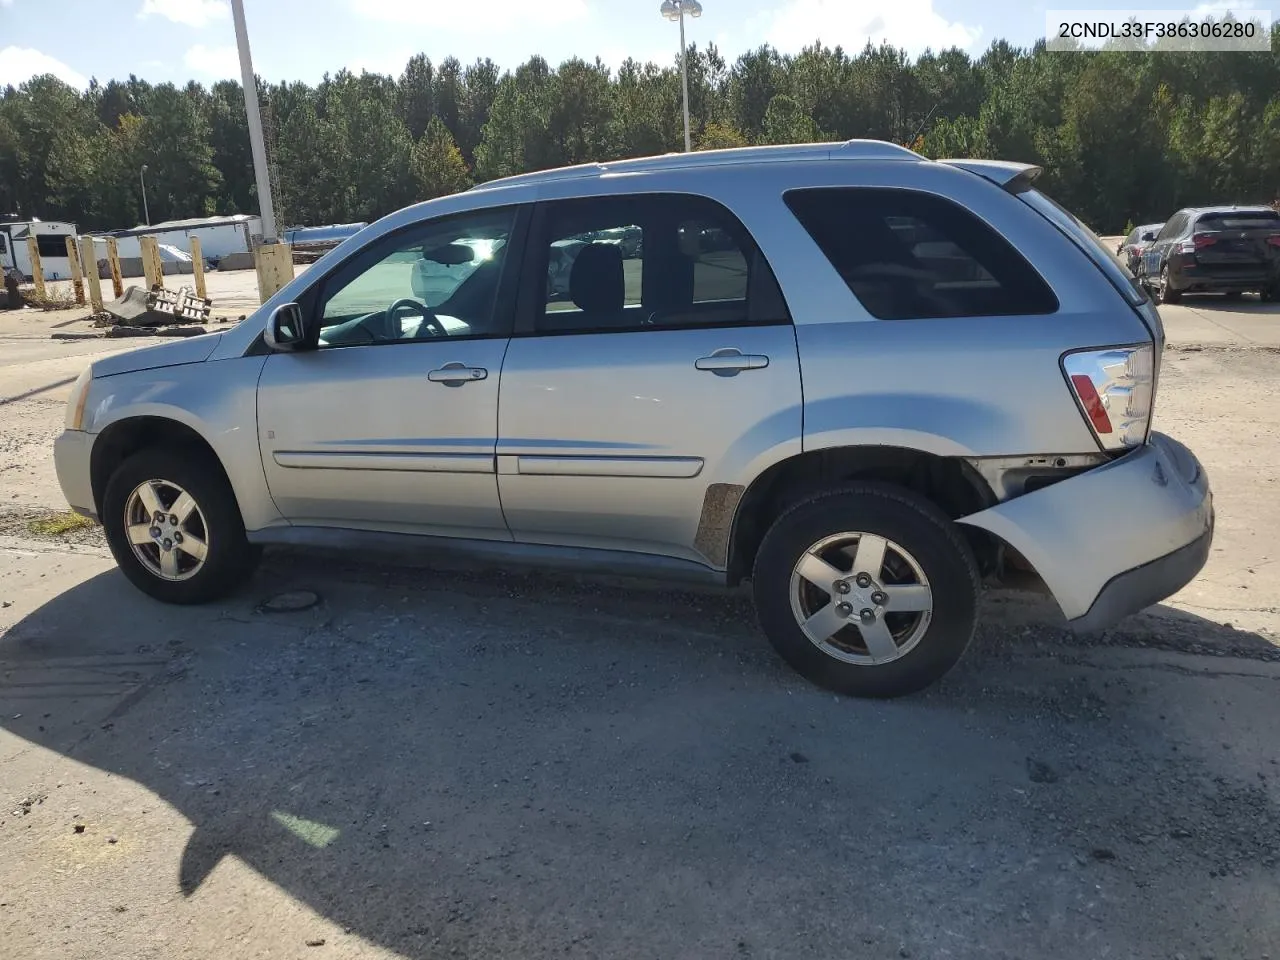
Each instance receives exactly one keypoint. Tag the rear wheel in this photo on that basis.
(1271, 294)
(867, 590)
(174, 527)
(1167, 293)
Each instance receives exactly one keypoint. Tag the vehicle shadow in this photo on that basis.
(1249, 303)
(534, 766)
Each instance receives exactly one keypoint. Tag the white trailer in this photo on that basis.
(51, 241)
(219, 236)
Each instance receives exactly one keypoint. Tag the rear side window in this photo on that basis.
(908, 255)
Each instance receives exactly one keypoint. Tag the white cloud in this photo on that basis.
(478, 16)
(193, 13)
(215, 63)
(391, 63)
(913, 25)
(20, 64)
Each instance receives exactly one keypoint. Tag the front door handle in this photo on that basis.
(456, 374)
(730, 361)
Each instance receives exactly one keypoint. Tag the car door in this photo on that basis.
(1156, 253)
(388, 422)
(634, 406)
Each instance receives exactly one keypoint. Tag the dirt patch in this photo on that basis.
(61, 525)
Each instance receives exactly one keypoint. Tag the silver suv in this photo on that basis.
(860, 379)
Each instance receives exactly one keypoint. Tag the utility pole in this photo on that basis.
(142, 178)
(256, 141)
(678, 10)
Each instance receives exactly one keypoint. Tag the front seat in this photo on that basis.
(596, 287)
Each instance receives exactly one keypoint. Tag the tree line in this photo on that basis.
(1124, 136)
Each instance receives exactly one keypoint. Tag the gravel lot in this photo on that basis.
(467, 762)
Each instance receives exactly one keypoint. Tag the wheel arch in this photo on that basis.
(123, 438)
(951, 483)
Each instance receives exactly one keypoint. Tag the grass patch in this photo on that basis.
(57, 296)
(59, 524)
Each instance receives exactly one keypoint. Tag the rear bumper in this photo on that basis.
(1116, 539)
(71, 452)
(1143, 586)
(1191, 277)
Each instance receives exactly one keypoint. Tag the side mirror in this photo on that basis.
(284, 332)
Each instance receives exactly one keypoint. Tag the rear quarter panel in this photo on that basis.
(976, 386)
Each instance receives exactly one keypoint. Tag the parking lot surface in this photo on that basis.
(463, 761)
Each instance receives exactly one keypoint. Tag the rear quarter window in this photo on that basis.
(909, 255)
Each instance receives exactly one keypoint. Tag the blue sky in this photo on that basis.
(177, 40)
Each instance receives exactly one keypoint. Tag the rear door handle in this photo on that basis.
(730, 361)
(456, 374)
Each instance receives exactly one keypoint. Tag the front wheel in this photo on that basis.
(867, 590)
(174, 527)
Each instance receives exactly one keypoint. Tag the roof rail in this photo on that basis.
(848, 150)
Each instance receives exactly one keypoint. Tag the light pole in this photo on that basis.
(677, 10)
(256, 143)
(142, 178)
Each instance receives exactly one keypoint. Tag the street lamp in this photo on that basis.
(142, 178)
(678, 10)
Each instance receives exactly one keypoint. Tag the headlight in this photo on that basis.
(79, 397)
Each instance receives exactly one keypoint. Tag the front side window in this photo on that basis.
(651, 262)
(436, 280)
(909, 255)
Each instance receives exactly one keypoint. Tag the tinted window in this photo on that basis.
(1238, 220)
(1175, 227)
(908, 255)
(653, 261)
(440, 279)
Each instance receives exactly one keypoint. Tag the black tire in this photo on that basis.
(230, 559)
(1167, 293)
(1271, 294)
(899, 516)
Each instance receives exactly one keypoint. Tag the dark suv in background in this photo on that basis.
(1215, 250)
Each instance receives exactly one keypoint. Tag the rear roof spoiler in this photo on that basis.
(1014, 177)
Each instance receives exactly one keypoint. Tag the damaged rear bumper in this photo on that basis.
(1116, 539)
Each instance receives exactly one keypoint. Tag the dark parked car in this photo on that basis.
(1132, 247)
(1215, 250)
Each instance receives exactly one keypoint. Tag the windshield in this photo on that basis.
(1082, 235)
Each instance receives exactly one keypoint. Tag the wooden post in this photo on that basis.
(152, 268)
(89, 260)
(274, 262)
(113, 261)
(77, 275)
(197, 267)
(37, 268)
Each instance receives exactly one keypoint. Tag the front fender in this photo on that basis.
(216, 399)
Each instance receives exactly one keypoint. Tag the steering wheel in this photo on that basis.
(429, 319)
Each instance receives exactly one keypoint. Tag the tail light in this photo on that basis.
(1198, 242)
(1115, 388)
(1274, 240)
